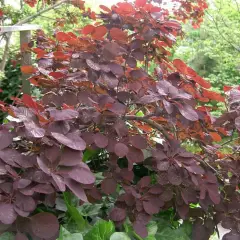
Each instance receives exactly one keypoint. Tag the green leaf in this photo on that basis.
(102, 230)
(66, 235)
(7, 236)
(140, 114)
(74, 213)
(88, 154)
(88, 209)
(152, 228)
(165, 232)
(120, 236)
(150, 238)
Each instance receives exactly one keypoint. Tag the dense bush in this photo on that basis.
(99, 102)
(10, 84)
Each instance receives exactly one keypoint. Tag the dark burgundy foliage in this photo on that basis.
(100, 95)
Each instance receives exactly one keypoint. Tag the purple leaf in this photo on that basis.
(163, 165)
(63, 115)
(117, 214)
(131, 62)
(44, 188)
(44, 225)
(108, 185)
(174, 176)
(33, 130)
(100, 140)
(109, 80)
(118, 108)
(70, 157)
(237, 123)
(77, 189)
(69, 98)
(82, 174)
(6, 139)
(120, 150)
(59, 127)
(21, 236)
(140, 229)
(150, 207)
(112, 50)
(168, 106)
(25, 203)
(194, 168)
(22, 183)
(149, 99)
(52, 153)
(21, 212)
(121, 128)
(135, 155)
(7, 213)
(116, 69)
(43, 165)
(188, 112)
(11, 157)
(71, 140)
(144, 182)
(59, 182)
(138, 141)
(213, 193)
(95, 66)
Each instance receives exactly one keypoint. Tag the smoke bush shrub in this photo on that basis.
(98, 98)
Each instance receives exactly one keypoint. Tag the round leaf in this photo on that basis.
(44, 225)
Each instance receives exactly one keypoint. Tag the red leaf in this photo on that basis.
(215, 136)
(105, 9)
(57, 75)
(99, 32)
(58, 55)
(140, 3)
(28, 69)
(88, 29)
(62, 37)
(124, 8)
(44, 225)
(29, 102)
(227, 88)
(213, 95)
(118, 35)
(180, 65)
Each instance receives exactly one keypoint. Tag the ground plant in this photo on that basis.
(103, 154)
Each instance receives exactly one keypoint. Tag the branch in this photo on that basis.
(220, 33)
(5, 53)
(28, 19)
(150, 122)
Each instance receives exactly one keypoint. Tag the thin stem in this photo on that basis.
(150, 122)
